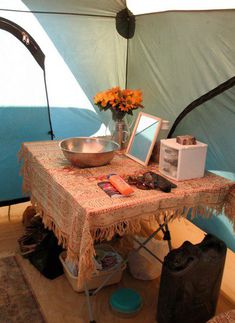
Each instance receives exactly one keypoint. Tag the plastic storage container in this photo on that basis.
(96, 279)
(181, 162)
(125, 302)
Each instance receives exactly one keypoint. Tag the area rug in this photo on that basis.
(17, 303)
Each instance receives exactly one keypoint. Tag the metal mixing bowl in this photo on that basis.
(88, 151)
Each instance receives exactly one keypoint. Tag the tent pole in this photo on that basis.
(202, 99)
(127, 57)
(50, 132)
(9, 213)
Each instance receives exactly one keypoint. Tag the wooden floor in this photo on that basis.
(59, 303)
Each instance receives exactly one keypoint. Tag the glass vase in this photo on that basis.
(119, 130)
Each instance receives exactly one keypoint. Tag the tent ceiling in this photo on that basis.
(111, 7)
(149, 6)
(83, 7)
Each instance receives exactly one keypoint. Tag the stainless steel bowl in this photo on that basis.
(88, 151)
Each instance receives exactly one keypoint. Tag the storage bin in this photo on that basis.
(97, 277)
(181, 162)
(125, 302)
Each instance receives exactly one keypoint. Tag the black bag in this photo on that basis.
(46, 257)
(40, 246)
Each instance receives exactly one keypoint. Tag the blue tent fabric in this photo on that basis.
(207, 122)
(19, 123)
(185, 56)
(173, 57)
(213, 123)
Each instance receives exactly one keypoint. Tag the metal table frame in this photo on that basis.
(166, 236)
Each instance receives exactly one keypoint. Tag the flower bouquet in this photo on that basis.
(119, 102)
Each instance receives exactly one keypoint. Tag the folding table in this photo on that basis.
(79, 212)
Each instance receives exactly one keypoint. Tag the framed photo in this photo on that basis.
(143, 138)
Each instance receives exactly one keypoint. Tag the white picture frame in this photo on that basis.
(143, 138)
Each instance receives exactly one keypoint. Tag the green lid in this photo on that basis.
(125, 300)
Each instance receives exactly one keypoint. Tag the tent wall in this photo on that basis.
(23, 110)
(95, 55)
(213, 122)
(83, 55)
(215, 125)
(176, 57)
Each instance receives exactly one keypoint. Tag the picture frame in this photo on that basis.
(143, 138)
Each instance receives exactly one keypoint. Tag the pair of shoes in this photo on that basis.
(33, 237)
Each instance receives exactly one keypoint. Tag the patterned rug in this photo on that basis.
(17, 303)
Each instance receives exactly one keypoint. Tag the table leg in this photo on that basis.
(166, 232)
(90, 313)
(142, 245)
(167, 236)
(164, 227)
(109, 277)
(145, 248)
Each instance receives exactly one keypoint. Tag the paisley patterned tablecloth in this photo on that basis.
(78, 211)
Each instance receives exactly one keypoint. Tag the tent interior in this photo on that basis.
(182, 59)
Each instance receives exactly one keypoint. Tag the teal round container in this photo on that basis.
(125, 302)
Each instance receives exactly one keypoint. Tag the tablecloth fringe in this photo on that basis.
(130, 226)
(21, 156)
(50, 224)
(229, 206)
(87, 250)
(134, 225)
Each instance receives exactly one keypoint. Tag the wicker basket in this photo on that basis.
(97, 277)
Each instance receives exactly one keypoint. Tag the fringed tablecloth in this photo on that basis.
(78, 211)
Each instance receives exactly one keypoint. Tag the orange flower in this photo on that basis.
(119, 100)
